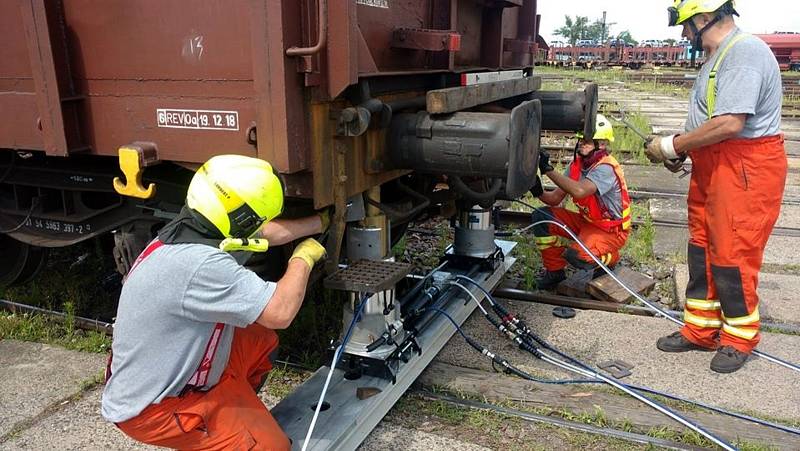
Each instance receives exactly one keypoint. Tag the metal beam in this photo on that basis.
(459, 98)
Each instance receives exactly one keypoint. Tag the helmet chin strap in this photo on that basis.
(697, 45)
(593, 156)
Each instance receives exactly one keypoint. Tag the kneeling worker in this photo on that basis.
(596, 183)
(195, 329)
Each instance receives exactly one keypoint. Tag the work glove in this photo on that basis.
(660, 148)
(537, 189)
(675, 165)
(544, 163)
(310, 251)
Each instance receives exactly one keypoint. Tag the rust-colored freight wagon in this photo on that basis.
(343, 97)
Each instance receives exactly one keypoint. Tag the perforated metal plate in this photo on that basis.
(368, 276)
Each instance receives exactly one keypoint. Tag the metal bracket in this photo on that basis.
(616, 368)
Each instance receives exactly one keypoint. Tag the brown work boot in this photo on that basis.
(728, 359)
(676, 342)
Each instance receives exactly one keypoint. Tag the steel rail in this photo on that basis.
(520, 333)
(659, 407)
(649, 304)
(519, 336)
(528, 416)
(80, 322)
(538, 297)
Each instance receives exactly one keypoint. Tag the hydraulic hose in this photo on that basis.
(512, 369)
(336, 356)
(649, 304)
(659, 407)
(523, 329)
(485, 200)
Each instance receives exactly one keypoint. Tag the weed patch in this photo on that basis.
(41, 329)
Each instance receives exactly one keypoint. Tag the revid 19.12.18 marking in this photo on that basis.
(198, 119)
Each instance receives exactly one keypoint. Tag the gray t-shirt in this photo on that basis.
(608, 190)
(167, 313)
(748, 82)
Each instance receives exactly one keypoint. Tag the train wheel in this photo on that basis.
(37, 258)
(15, 254)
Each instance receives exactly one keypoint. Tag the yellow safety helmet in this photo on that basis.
(683, 10)
(236, 194)
(602, 130)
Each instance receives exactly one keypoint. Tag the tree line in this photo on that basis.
(580, 27)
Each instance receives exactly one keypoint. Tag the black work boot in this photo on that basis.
(676, 342)
(550, 279)
(580, 279)
(728, 359)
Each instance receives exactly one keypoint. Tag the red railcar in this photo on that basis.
(633, 57)
(92, 89)
(786, 47)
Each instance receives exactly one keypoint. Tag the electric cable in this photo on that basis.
(336, 356)
(583, 372)
(659, 310)
(512, 320)
(34, 204)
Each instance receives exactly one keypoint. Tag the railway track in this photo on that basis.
(554, 421)
(507, 291)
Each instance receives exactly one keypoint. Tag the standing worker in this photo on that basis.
(738, 174)
(596, 183)
(194, 329)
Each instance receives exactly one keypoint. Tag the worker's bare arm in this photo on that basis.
(553, 198)
(282, 231)
(577, 189)
(718, 129)
(288, 296)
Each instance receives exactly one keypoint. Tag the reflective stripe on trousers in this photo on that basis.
(734, 200)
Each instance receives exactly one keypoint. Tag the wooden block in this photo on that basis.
(606, 289)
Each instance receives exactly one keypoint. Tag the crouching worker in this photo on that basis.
(596, 183)
(194, 329)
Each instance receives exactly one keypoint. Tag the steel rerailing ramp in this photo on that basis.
(348, 420)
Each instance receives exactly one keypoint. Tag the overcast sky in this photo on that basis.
(647, 19)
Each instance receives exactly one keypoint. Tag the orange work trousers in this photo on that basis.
(734, 201)
(230, 416)
(553, 241)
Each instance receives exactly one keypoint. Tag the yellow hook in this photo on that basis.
(131, 160)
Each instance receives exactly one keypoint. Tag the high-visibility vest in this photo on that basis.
(592, 209)
(711, 88)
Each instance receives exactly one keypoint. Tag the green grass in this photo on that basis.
(316, 325)
(627, 140)
(455, 415)
(73, 281)
(399, 249)
(606, 77)
(41, 329)
(639, 248)
(282, 380)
